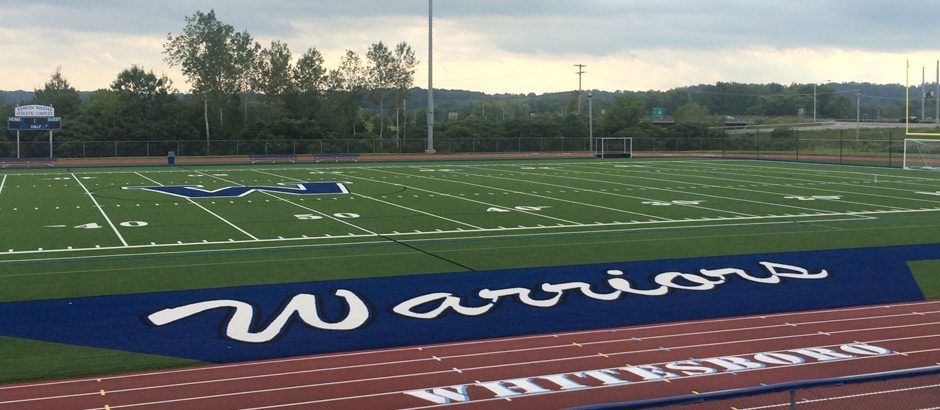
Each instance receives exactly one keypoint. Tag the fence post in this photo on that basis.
(115, 149)
(797, 145)
(890, 145)
(841, 144)
(757, 142)
(294, 142)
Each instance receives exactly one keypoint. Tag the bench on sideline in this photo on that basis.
(272, 157)
(336, 157)
(5, 162)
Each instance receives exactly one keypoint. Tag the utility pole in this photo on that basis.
(430, 149)
(936, 96)
(814, 102)
(858, 112)
(591, 122)
(579, 73)
(923, 92)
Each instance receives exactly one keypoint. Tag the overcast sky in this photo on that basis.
(516, 46)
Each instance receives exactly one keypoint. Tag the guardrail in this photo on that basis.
(791, 387)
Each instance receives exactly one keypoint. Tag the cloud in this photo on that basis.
(488, 44)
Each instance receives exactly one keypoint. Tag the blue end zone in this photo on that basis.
(259, 322)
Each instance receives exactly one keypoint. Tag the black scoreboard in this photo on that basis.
(34, 123)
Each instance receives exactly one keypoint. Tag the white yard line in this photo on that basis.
(597, 192)
(566, 230)
(572, 224)
(531, 194)
(386, 202)
(699, 170)
(789, 177)
(633, 175)
(369, 232)
(2, 183)
(239, 229)
(105, 215)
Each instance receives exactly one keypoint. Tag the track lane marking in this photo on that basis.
(477, 342)
(501, 365)
(398, 392)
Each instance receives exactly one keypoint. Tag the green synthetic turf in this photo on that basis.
(927, 274)
(23, 360)
(422, 218)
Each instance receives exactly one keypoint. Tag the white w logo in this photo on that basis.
(239, 326)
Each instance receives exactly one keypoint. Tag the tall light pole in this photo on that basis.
(430, 149)
(814, 102)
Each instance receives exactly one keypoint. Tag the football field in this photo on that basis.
(121, 230)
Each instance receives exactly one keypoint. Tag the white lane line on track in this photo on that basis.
(849, 396)
(478, 342)
(398, 392)
(496, 366)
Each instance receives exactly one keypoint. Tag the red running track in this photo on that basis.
(554, 370)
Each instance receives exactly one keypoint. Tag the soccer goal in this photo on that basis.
(922, 154)
(621, 147)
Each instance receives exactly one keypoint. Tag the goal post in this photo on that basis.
(920, 153)
(614, 147)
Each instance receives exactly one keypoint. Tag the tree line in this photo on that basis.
(241, 90)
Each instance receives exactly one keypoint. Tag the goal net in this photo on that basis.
(614, 147)
(922, 154)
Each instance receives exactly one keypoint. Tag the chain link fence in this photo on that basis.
(865, 146)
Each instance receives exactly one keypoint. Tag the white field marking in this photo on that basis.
(781, 316)
(501, 365)
(633, 175)
(608, 193)
(850, 396)
(370, 233)
(806, 168)
(762, 369)
(239, 229)
(827, 190)
(777, 185)
(194, 265)
(700, 170)
(627, 226)
(693, 193)
(389, 203)
(3, 182)
(106, 218)
(535, 195)
(862, 177)
(576, 224)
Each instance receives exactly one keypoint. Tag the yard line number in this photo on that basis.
(314, 217)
